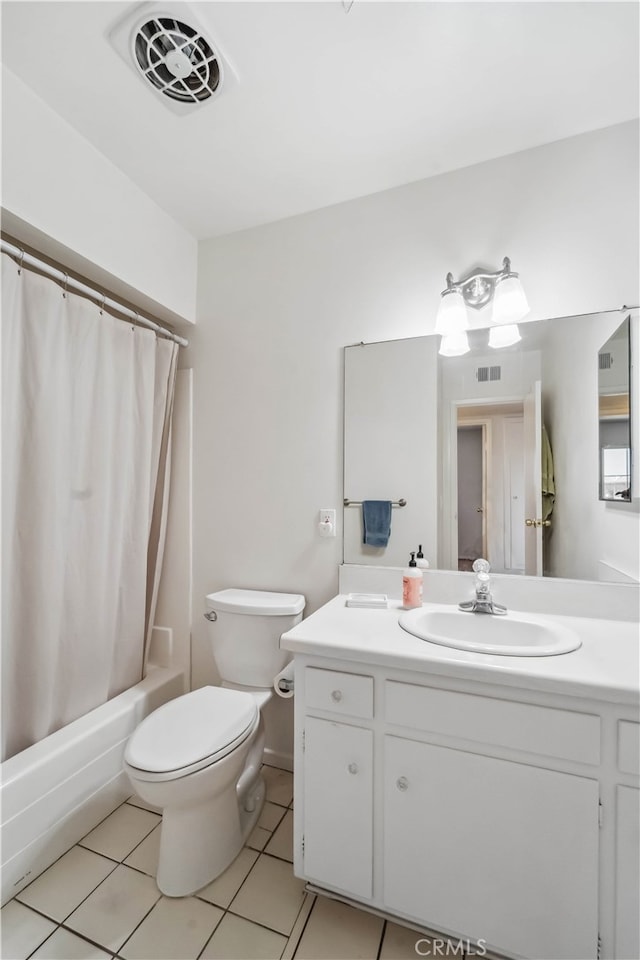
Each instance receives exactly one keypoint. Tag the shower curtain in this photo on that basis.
(86, 435)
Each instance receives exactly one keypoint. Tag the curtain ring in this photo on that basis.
(64, 286)
(104, 297)
(20, 262)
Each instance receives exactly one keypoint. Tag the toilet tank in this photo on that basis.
(246, 631)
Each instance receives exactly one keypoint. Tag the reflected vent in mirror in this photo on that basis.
(488, 374)
(605, 361)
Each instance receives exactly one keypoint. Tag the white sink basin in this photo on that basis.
(508, 636)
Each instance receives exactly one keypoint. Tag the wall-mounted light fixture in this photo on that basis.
(477, 290)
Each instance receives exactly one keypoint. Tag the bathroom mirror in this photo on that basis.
(614, 415)
(461, 439)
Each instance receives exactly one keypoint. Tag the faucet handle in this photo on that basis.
(481, 566)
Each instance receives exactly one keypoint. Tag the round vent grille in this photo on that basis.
(177, 60)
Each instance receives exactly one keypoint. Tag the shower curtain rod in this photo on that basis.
(56, 273)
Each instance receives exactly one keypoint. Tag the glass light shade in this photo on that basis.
(509, 302)
(452, 314)
(504, 335)
(454, 344)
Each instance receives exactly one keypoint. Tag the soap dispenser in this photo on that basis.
(412, 585)
(420, 560)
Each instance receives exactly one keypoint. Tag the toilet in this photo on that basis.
(198, 757)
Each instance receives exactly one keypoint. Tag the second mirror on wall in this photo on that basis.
(614, 414)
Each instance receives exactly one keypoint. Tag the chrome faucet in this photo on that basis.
(484, 602)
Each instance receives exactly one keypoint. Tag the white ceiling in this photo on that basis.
(330, 106)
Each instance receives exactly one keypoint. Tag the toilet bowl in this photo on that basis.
(198, 757)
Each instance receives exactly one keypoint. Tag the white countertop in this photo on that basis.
(605, 667)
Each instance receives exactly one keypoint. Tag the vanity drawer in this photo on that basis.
(346, 693)
(628, 746)
(502, 723)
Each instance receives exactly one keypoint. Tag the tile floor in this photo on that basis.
(100, 900)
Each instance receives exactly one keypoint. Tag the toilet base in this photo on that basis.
(218, 808)
(192, 854)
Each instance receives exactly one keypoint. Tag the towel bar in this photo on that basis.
(358, 503)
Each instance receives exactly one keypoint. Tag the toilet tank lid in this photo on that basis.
(256, 602)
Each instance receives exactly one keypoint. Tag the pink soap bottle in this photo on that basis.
(412, 585)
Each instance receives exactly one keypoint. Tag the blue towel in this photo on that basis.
(376, 519)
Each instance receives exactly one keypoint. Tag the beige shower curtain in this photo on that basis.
(86, 429)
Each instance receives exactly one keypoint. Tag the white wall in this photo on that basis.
(60, 195)
(277, 304)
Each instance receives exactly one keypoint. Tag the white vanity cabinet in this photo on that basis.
(466, 808)
(501, 851)
(627, 841)
(337, 781)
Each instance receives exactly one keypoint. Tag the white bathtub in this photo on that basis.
(54, 792)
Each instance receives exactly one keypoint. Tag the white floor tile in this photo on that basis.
(113, 911)
(22, 930)
(279, 785)
(64, 945)
(137, 802)
(336, 931)
(177, 927)
(145, 855)
(281, 843)
(123, 830)
(238, 939)
(270, 895)
(272, 814)
(258, 838)
(399, 943)
(59, 890)
(223, 890)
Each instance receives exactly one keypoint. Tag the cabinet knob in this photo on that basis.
(402, 784)
(353, 768)
(336, 696)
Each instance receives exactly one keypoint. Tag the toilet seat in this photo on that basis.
(191, 732)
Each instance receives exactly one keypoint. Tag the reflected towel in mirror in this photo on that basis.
(548, 481)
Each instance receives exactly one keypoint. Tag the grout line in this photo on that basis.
(300, 922)
(43, 941)
(157, 826)
(91, 850)
(154, 905)
(257, 923)
(83, 936)
(382, 936)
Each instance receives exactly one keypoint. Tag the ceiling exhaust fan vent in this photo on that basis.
(172, 53)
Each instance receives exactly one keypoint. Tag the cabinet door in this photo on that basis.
(627, 873)
(492, 850)
(338, 806)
